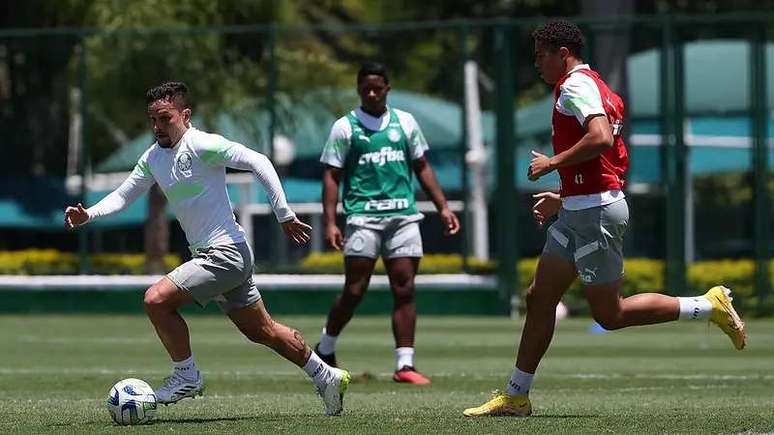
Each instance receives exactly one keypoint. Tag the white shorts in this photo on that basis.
(388, 237)
(221, 273)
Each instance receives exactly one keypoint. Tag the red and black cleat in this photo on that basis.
(409, 375)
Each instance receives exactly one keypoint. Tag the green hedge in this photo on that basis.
(53, 262)
(642, 275)
(333, 262)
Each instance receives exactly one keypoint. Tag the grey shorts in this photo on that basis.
(221, 273)
(592, 239)
(389, 237)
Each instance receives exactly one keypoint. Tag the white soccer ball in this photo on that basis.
(131, 401)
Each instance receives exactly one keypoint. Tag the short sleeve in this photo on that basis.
(580, 97)
(334, 152)
(416, 139)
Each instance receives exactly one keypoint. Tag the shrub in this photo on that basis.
(642, 274)
(53, 262)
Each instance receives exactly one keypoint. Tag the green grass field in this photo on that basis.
(56, 371)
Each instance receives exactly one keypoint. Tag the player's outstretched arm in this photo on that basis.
(429, 183)
(239, 156)
(138, 182)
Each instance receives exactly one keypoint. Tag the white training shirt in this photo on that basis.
(579, 97)
(335, 150)
(192, 176)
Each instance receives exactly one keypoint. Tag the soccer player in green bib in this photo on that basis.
(374, 151)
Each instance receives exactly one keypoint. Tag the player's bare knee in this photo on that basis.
(353, 294)
(403, 294)
(533, 300)
(529, 296)
(153, 300)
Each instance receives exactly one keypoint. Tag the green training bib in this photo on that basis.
(377, 171)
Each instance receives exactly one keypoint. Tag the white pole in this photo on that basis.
(74, 137)
(475, 158)
(245, 217)
(690, 209)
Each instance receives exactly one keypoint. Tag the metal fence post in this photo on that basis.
(464, 30)
(271, 90)
(84, 265)
(279, 239)
(758, 103)
(673, 157)
(506, 193)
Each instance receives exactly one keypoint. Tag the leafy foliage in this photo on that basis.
(642, 274)
(53, 262)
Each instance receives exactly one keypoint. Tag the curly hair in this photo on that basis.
(177, 92)
(372, 69)
(560, 33)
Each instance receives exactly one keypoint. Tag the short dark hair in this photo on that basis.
(561, 33)
(177, 92)
(372, 69)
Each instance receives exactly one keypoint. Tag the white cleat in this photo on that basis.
(333, 393)
(176, 388)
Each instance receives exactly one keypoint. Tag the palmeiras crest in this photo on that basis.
(184, 161)
(393, 135)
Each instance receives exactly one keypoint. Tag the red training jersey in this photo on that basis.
(604, 172)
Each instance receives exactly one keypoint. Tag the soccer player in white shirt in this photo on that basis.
(189, 167)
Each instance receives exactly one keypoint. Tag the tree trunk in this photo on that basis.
(156, 232)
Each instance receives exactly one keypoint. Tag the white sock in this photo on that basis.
(327, 343)
(519, 383)
(695, 308)
(186, 368)
(320, 372)
(404, 356)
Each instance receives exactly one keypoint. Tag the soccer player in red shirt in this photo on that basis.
(586, 240)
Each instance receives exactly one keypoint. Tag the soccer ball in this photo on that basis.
(131, 401)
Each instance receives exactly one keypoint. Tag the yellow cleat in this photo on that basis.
(724, 315)
(502, 404)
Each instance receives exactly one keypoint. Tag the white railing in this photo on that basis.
(262, 281)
